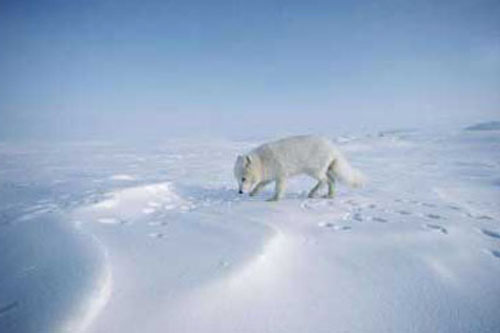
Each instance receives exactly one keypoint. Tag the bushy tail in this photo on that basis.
(342, 170)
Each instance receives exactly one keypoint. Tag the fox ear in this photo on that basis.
(247, 160)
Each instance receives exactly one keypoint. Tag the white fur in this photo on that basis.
(276, 161)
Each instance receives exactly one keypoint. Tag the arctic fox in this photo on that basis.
(276, 161)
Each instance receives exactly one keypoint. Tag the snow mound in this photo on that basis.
(127, 205)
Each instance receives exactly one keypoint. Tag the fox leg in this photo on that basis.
(280, 188)
(331, 186)
(316, 188)
(258, 187)
(331, 189)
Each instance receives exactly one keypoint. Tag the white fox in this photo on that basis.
(276, 161)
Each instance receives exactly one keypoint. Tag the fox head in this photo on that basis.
(246, 173)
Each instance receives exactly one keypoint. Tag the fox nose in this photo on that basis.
(240, 192)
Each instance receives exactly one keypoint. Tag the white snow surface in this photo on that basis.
(156, 239)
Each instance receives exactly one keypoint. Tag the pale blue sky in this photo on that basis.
(149, 69)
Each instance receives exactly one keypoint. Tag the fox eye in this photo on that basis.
(243, 179)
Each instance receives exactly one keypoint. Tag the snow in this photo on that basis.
(486, 126)
(122, 177)
(131, 203)
(165, 244)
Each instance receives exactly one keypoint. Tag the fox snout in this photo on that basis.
(240, 191)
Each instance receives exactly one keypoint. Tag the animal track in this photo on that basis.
(491, 233)
(437, 228)
(306, 205)
(434, 216)
(326, 224)
(341, 227)
(479, 217)
(379, 219)
(357, 217)
(156, 235)
(333, 226)
(404, 212)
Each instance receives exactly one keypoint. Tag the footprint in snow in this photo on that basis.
(306, 205)
(156, 235)
(333, 226)
(357, 217)
(434, 216)
(341, 227)
(379, 219)
(437, 228)
(404, 212)
(326, 224)
(491, 233)
(315, 203)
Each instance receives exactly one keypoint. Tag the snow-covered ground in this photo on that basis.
(101, 237)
